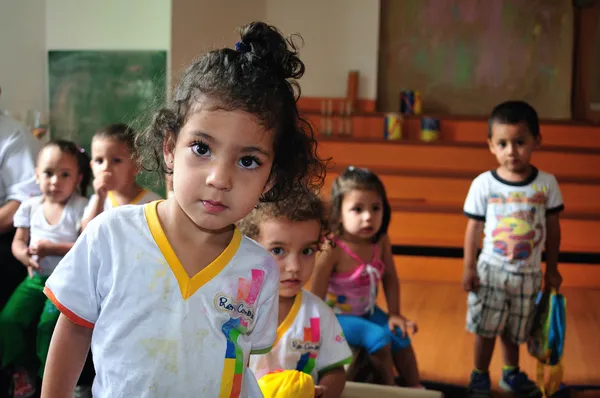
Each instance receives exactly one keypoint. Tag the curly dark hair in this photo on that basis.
(83, 160)
(258, 77)
(120, 132)
(355, 178)
(298, 206)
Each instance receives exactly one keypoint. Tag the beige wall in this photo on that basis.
(22, 56)
(28, 28)
(201, 25)
(108, 24)
(339, 35)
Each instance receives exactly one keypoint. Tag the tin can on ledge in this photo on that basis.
(418, 108)
(393, 126)
(430, 129)
(407, 102)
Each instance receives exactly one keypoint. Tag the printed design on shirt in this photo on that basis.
(309, 346)
(339, 303)
(518, 230)
(241, 310)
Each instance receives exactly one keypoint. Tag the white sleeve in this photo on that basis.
(476, 203)
(22, 217)
(265, 329)
(73, 285)
(554, 201)
(17, 170)
(334, 351)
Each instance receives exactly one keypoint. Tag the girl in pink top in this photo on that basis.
(356, 257)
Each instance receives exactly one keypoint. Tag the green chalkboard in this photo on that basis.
(91, 89)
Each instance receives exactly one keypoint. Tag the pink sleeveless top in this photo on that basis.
(355, 292)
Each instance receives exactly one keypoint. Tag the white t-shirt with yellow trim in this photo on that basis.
(158, 332)
(310, 340)
(145, 196)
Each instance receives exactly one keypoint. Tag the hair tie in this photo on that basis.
(354, 169)
(242, 47)
(80, 149)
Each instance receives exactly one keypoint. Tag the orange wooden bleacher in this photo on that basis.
(427, 185)
(562, 135)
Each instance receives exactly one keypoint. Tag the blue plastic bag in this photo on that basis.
(547, 340)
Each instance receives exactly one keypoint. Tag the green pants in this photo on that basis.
(27, 306)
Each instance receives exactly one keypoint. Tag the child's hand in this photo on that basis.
(103, 183)
(30, 261)
(553, 280)
(470, 280)
(42, 248)
(404, 324)
(319, 391)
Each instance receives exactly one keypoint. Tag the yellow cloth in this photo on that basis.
(287, 384)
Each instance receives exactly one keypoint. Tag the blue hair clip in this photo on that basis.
(242, 47)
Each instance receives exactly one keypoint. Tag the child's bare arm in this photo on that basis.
(331, 383)
(391, 287)
(324, 266)
(97, 206)
(472, 239)
(67, 354)
(20, 249)
(20, 246)
(45, 248)
(389, 280)
(552, 277)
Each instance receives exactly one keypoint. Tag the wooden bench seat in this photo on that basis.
(442, 269)
(466, 130)
(436, 228)
(464, 161)
(581, 199)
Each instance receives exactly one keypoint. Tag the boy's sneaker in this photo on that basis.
(480, 385)
(517, 382)
(23, 384)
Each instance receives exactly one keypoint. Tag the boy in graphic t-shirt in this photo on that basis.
(517, 208)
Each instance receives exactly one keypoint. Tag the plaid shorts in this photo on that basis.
(504, 303)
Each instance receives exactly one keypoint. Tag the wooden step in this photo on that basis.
(581, 200)
(464, 161)
(409, 227)
(435, 269)
(555, 135)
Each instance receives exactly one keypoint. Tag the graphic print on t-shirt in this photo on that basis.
(518, 229)
(309, 346)
(241, 313)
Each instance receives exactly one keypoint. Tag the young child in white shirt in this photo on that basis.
(47, 226)
(309, 336)
(517, 208)
(115, 171)
(170, 295)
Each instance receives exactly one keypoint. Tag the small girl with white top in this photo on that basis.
(115, 171)
(309, 337)
(171, 296)
(47, 227)
(357, 256)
